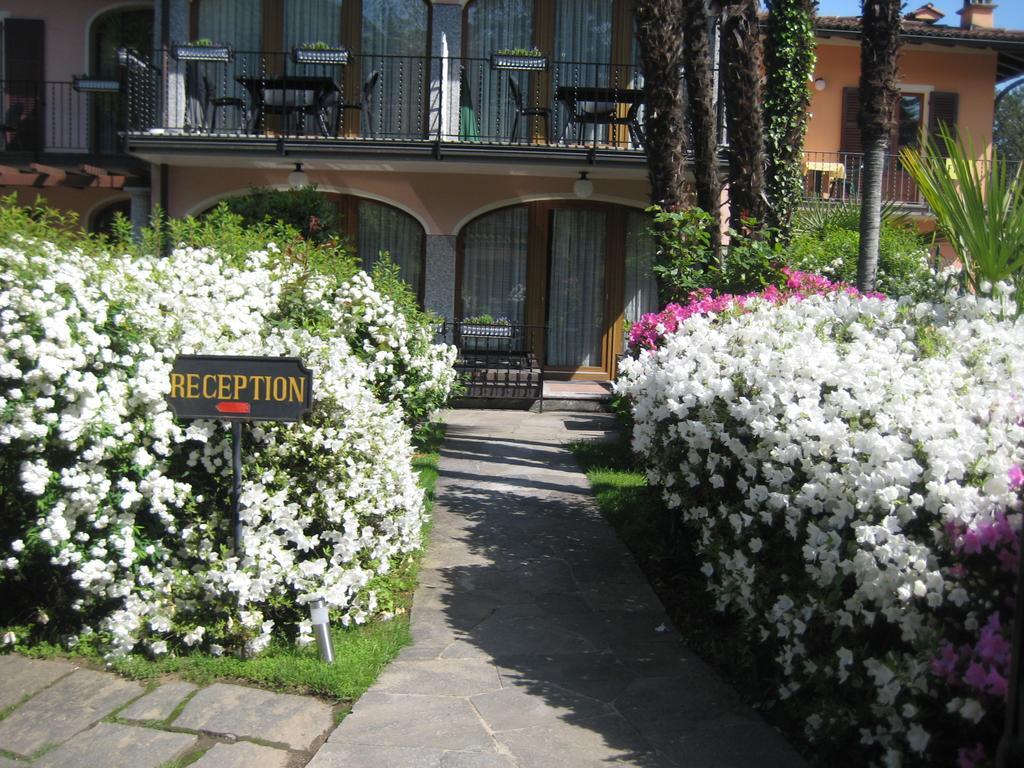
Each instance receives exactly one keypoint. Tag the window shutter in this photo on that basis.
(943, 109)
(23, 84)
(849, 137)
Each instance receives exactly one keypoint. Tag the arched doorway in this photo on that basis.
(121, 27)
(102, 220)
(578, 271)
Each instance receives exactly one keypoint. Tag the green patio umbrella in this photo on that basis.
(468, 130)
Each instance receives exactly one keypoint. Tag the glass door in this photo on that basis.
(576, 289)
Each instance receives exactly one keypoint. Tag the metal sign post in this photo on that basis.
(239, 389)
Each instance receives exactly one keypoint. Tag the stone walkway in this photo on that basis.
(537, 640)
(537, 643)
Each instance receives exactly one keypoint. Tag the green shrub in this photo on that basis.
(826, 241)
(307, 211)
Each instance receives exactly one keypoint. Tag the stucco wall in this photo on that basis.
(83, 202)
(970, 73)
(442, 202)
(67, 31)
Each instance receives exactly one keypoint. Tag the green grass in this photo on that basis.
(360, 653)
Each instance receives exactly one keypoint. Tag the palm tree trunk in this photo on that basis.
(741, 49)
(703, 115)
(879, 49)
(660, 35)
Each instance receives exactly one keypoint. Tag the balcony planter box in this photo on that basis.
(488, 331)
(320, 55)
(517, 61)
(215, 52)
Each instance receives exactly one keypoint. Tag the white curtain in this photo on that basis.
(312, 21)
(239, 25)
(641, 287)
(494, 25)
(576, 288)
(494, 265)
(583, 48)
(382, 228)
(395, 44)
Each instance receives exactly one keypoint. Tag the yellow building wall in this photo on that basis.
(970, 73)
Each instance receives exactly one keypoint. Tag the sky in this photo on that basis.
(1009, 13)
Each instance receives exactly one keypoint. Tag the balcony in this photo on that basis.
(837, 177)
(265, 100)
(47, 118)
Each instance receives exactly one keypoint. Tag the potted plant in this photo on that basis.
(203, 49)
(485, 325)
(519, 58)
(319, 53)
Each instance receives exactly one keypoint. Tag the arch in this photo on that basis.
(209, 202)
(105, 207)
(554, 196)
(125, 5)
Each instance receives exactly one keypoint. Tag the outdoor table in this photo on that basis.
(290, 95)
(602, 106)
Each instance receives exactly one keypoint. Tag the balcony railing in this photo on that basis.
(53, 117)
(266, 95)
(838, 176)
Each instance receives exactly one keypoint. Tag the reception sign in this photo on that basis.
(243, 388)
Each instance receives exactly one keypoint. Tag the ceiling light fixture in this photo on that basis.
(298, 179)
(583, 187)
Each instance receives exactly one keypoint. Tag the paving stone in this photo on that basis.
(396, 720)
(21, 677)
(282, 718)
(48, 719)
(579, 744)
(113, 745)
(158, 704)
(595, 675)
(512, 708)
(527, 635)
(242, 754)
(475, 760)
(333, 755)
(462, 677)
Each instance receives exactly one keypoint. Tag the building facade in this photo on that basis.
(494, 148)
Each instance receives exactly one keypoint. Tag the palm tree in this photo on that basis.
(741, 54)
(702, 114)
(879, 47)
(660, 36)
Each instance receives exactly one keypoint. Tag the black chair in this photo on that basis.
(212, 104)
(10, 128)
(524, 111)
(365, 105)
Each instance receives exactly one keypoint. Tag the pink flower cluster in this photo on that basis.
(982, 667)
(649, 330)
(995, 535)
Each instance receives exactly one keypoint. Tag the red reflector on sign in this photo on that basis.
(233, 407)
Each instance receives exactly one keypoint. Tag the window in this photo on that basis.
(908, 122)
(382, 229)
(312, 21)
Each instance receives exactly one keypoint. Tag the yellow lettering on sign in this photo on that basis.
(193, 386)
(209, 386)
(256, 382)
(240, 384)
(296, 389)
(177, 385)
(223, 386)
(280, 388)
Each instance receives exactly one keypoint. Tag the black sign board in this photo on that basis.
(240, 388)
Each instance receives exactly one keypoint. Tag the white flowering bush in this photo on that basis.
(848, 468)
(115, 515)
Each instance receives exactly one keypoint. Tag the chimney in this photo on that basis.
(977, 14)
(926, 14)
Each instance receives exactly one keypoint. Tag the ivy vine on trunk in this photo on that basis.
(789, 61)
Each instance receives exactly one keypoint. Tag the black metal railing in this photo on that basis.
(260, 94)
(45, 116)
(498, 360)
(837, 177)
